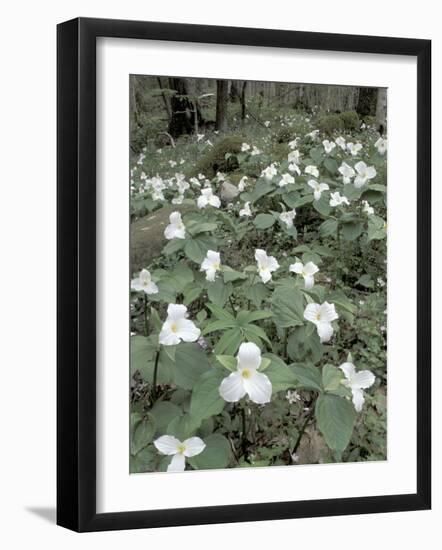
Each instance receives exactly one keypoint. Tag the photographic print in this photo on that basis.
(258, 291)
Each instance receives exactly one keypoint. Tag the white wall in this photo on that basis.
(27, 289)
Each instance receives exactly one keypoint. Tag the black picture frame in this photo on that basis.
(76, 273)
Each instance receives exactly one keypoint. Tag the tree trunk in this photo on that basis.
(166, 102)
(367, 102)
(381, 111)
(222, 87)
(183, 109)
(243, 101)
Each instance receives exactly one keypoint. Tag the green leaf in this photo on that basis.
(227, 361)
(351, 230)
(351, 192)
(218, 325)
(196, 248)
(206, 400)
(144, 461)
(331, 165)
(173, 246)
(230, 274)
(366, 280)
(280, 375)
(191, 292)
(189, 363)
(218, 292)
(308, 377)
(264, 221)
(257, 293)
(377, 228)
(229, 342)
(288, 308)
(331, 378)
(221, 313)
(217, 454)
(164, 412)
(155, 319)
(143, 434)
(323, 205)
(336, 418)
(255, 334)
(251, 316)
(183, 427)
(142, 352)
(329, 227)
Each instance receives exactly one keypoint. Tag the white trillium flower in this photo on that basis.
(347, 172)
(245, 147)
(318, 188)
(144, 283)
(381, 145)
(208, 198)
(322, 316)
(357, 381)
(293, 144)
(313, 134)
(267, 123)
(336, 199)
(293, 167)
(246, 379)
(288, 217)
(255, 151)
(354, 148)
(179, 450)
(176, 228)
(177, 327)
(294, 156)
(369, 210)
(307, 271)
(266, 265)
(246, 210)
(340, 142)
(328, 146)
(199, 137)
(211, 264)
(312, 170)
(178, 199)
(269, 172)
(242, 184)
(286, 179)
(364, 173)
(172, 163)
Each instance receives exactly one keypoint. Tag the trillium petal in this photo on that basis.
(357, 398)
(325, 331)
(167, 444)
(260, 256)
(194, 446)
(231, 388)
(311, 312)
(296, 267)
(175, 312)
(310, 268)
(258, 388)
(167, 337)
(249, 356)
(273, 264)
(151, 288)
(328, 312)
(309, 281)
(187, 331)
(177, 464)
(265, 275)
(175, 218)
(363, 379)
(136, 285)
(348, 369)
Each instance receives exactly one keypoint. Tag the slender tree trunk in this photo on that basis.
(222, 87)
(182, 117)
(166, 103)
(243, 101)
(381, 110)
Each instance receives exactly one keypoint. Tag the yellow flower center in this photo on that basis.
(173, 327)
(318, 316)
(246, 373)
(181, 448)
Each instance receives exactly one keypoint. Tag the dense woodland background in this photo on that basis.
(176, 106)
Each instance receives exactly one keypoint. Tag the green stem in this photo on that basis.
(244, 432)
(304, 426)
(146, 325)
(231, 304)
(155, 375)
